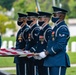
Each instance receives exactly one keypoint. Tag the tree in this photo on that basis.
(72, 5)
(23, 6)
(29, 5)
(6, 23)
(6, 4)
(46, 5)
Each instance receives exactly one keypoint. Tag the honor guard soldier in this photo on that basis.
(45, 33)
(20, 43)
(56, 57)
(32, 39)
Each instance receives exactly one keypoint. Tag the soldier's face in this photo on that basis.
(41, 18)
(56, 14)
(22, 19)
(29, 18)
(59, 15)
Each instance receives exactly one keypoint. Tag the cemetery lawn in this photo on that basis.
(8, 61)
(72, 56)
(70, 71)
(72, 39)
(9, 39)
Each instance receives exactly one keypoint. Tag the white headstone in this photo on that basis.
(73, 47)
(10, 44)
(4, 44)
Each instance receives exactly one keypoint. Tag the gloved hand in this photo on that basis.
(37, 57)
(42, 55)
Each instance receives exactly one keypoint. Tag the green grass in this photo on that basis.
(72, 39)
(6, 62)
(72, 56)
(71, 71)
(11, 71)
(9, 38)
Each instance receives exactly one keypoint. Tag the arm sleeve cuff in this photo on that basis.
(52, 51)
(32, 49)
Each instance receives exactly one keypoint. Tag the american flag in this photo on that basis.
(14, 52)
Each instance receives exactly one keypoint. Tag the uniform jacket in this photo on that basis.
(32, 37)
(41, 45)
(20, 43)
(57, 46)
(43, 39)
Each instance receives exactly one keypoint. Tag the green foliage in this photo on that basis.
(5, 22)
(72, 6)
(30, 5)
(6, 4)
(2, 9)
(46, 5)
(3, 19)
(23, 6)
(11, 25)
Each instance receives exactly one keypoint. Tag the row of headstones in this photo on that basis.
(11, 44)
(8, 44)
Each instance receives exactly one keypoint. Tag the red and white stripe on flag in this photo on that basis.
(13, 52)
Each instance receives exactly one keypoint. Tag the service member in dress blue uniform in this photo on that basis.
(32, 39)
(45, 33)
(56, 57)
(20, 44)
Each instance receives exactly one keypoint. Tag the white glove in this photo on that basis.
(37, 57)
(42, 54)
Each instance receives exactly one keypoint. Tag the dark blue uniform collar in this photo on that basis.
(35, 25)
(60, 23)
(23, 28)
(47, 26)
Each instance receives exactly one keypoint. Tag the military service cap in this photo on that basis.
(46, 14)
(32, 14)
(22, 15)
(59, 10)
